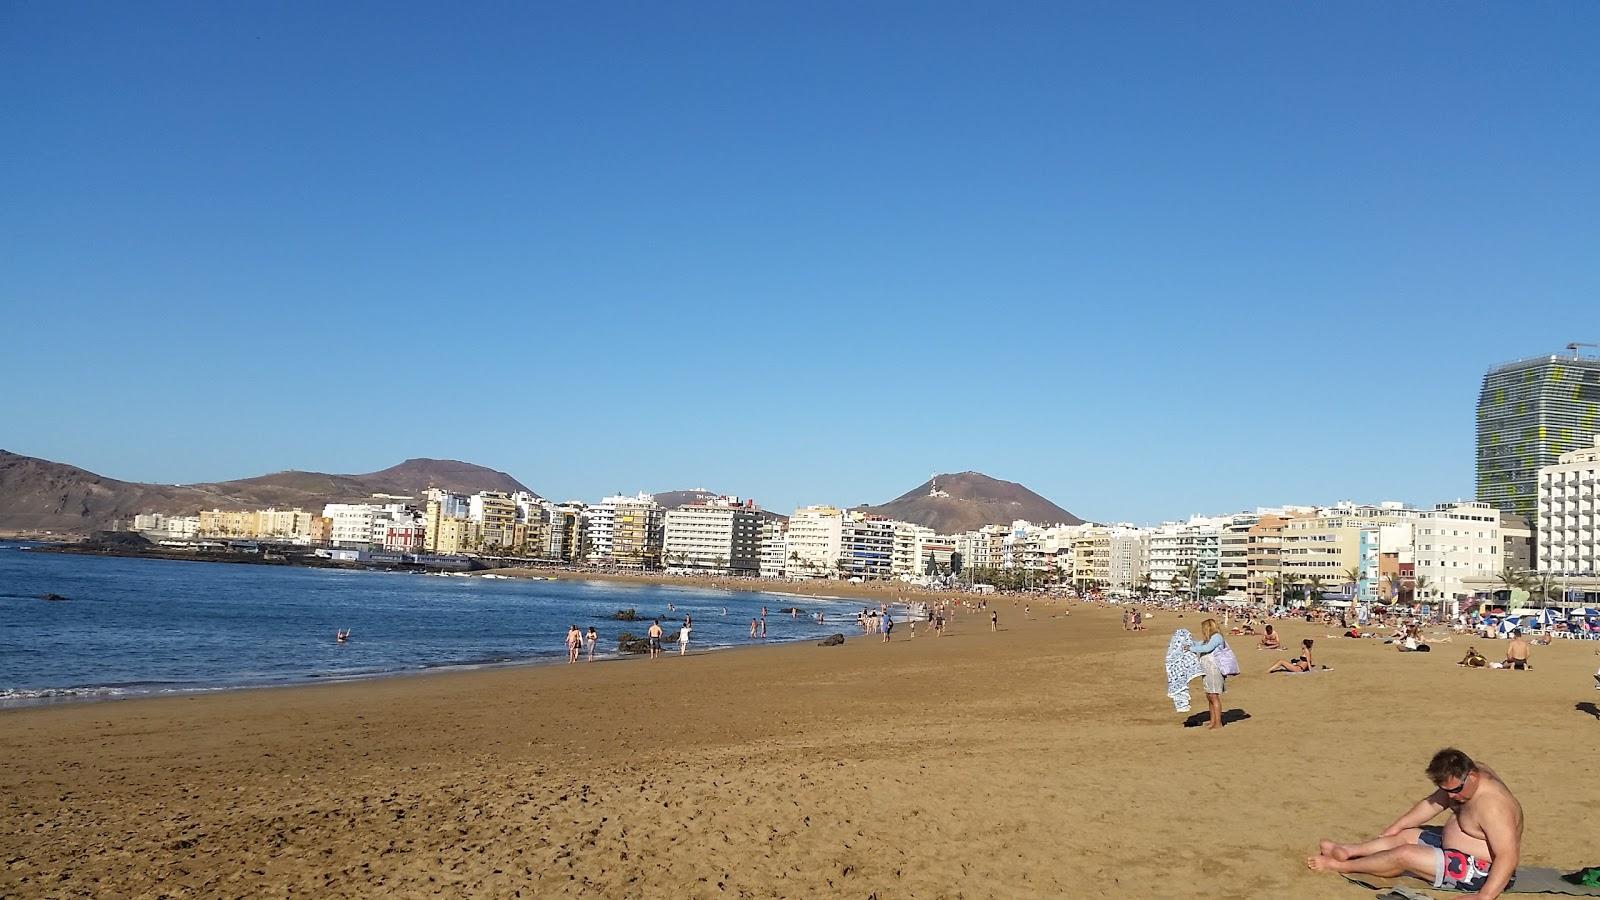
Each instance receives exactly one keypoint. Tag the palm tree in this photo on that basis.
(1513, 578)
(1352, 575)
(1314, 588)
(1544, 589)
(1397, 584)
(1190, 573)
(1176, 584)
(1293, 581)
(1418, 585)
(1220, 584)
(1142, 585)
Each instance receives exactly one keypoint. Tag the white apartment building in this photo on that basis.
(1455, 543)
(815, 534)
(983, 548)
(292, 524)
(1129, 551)
(1569, 514)
(1175, 546)
(151, 522)
(720, 535)
(908, 557)
(624, 530)
(866, 546)
(774, 548)
(171, 526)
(353, 523)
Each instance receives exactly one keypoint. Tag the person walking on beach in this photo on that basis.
(886, 622)
(994, 620)
(655, 639)
(1477, 849)
(754, 627)
(590, 639)
(574, 643)
(683, 637)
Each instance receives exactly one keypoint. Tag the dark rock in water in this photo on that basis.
(53, 598)
(832, 640)
(119, 540)
(625, 615)
(628, 642)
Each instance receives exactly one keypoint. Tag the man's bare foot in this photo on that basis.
(1322, 864)
(1332, 849)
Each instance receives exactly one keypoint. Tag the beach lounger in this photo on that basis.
(1529, 880)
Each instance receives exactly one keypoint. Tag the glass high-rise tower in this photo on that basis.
(1530, 412)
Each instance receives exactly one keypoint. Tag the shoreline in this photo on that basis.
(31, 698)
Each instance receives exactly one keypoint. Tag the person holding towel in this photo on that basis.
(1212, 678)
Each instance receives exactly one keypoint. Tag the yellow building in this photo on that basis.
(284, 523)
(496, 515)
(229, 523)
(1321, 549)
(453, 535)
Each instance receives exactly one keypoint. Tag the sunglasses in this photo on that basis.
(1452, 791)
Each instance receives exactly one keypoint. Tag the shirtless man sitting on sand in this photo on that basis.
(1476, 850)
(1517, 651)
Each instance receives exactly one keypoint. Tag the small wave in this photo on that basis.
(62, 693)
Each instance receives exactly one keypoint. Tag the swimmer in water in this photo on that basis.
(342, 636)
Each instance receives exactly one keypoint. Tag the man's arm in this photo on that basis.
(1505, 849)
(1418, 815)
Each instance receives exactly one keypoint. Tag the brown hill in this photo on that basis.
(972, 500)
(40, 495)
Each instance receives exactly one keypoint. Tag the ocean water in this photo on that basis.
(146, 626)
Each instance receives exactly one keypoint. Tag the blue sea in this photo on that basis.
(147, 626)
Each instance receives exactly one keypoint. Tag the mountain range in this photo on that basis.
(963, 501)
(39, 495)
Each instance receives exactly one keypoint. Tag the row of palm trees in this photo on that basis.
(1541, 588)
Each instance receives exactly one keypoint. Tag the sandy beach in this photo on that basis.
(1040, 761)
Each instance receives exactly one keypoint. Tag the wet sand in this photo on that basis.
(1040, 761)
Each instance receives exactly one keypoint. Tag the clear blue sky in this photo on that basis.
(1147, 259)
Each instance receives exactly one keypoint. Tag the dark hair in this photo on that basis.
(1450, 763)
(1307, 642)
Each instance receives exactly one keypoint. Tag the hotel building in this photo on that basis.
(720, 535)
(1569, 513)
(1529, 413)
(815, 537)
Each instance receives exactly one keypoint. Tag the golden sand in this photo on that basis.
(1040, 761)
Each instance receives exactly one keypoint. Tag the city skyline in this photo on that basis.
(808, 256)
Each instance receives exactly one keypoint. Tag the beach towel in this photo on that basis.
(1182, 667)
(1529, 880)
